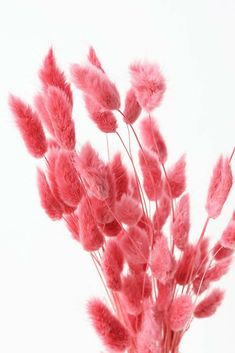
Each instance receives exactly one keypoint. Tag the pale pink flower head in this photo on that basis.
(220, 185)
(228, 237)
(176, 178)
(180, 312)
(148, 83)
(128, 210)
(93, 59)
(181, 224)
(113, 334)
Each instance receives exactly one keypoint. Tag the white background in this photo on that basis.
(45, 277)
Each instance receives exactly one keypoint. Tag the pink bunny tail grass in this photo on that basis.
(112, 333)
(135, 288)
(228, 237)
(220, 253)
(72, 222)
(187, 265)
(29, 126)
(60, 110)
(176, 183)
(152, 138)
(120, 176)
(218, 270)
(165, 295)
(95, 83)
(208, 306)
(90, 236)
(135, 245)
(128, 210)
(181, 224)
(69, 186)
(111, 229)
(112, 265)
(49, 203)
(180, 312)
(40, 105)
(104, 119)
(162, 213)
(162, 262)
(93, 171)
(51, 75)
(152, 180)
(220, 185)
(149, 337)
(93, 59)
(148, 83)
(132, 108)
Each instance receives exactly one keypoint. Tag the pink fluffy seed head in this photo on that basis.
(187, 265)
(152, 138)
(51, 75)
(29, 126)
(176, 183)
(200, 285)
(111, 229)
(120, 176)
(181, 224)
(135, 245)
(49, 203)
(162, 262)
(128, 210)
(93, 171)
(216, 272)
(148, 83)
(60, 110)
(161, 215)
(132, 108)
(112, 333)
(104, 119)
(40, 105)
(93, 82)
(93, 59)
(180, 312)
(152, 180)
(90, 236)
(220, 253)
(219, 188)
(149, 337)
(165, 295)
(114, 253)
(209, 305)
(228, 237)
(69, 186)
(112, 264)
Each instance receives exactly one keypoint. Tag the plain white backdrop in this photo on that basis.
(45, 277)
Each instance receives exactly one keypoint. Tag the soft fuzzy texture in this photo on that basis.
(93, 59)
(120, 176)
(113, 334)
(40, 105)
(162, 212)
(72, 222)
(176, 178)
(219, 252)
(112, 265)
(30, 127)
(180, 312)
(181, 224)
(149, 337)
(104, 119)
(152, 138)
(208, 306)
(152, 179)
(51, 75)
(128, 210)
(60, 110)
(132, 108)
(228, 237)
(220, 185)
(93, 82)
(148, 83)
(51, 206)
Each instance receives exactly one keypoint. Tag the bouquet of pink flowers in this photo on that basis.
(134, 220)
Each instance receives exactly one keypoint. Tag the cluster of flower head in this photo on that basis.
(134, 224)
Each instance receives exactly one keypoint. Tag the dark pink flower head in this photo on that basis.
(176, 178)
(113, 334)
(93, 171)
(132, 108)
(51, 75)
(93, 82)
(93, 59)
(181, 224)
(30, 127)
(220, 185)
(181, 311)
(60, 112)
(209, 304)
(148, 83)
(104, 119)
